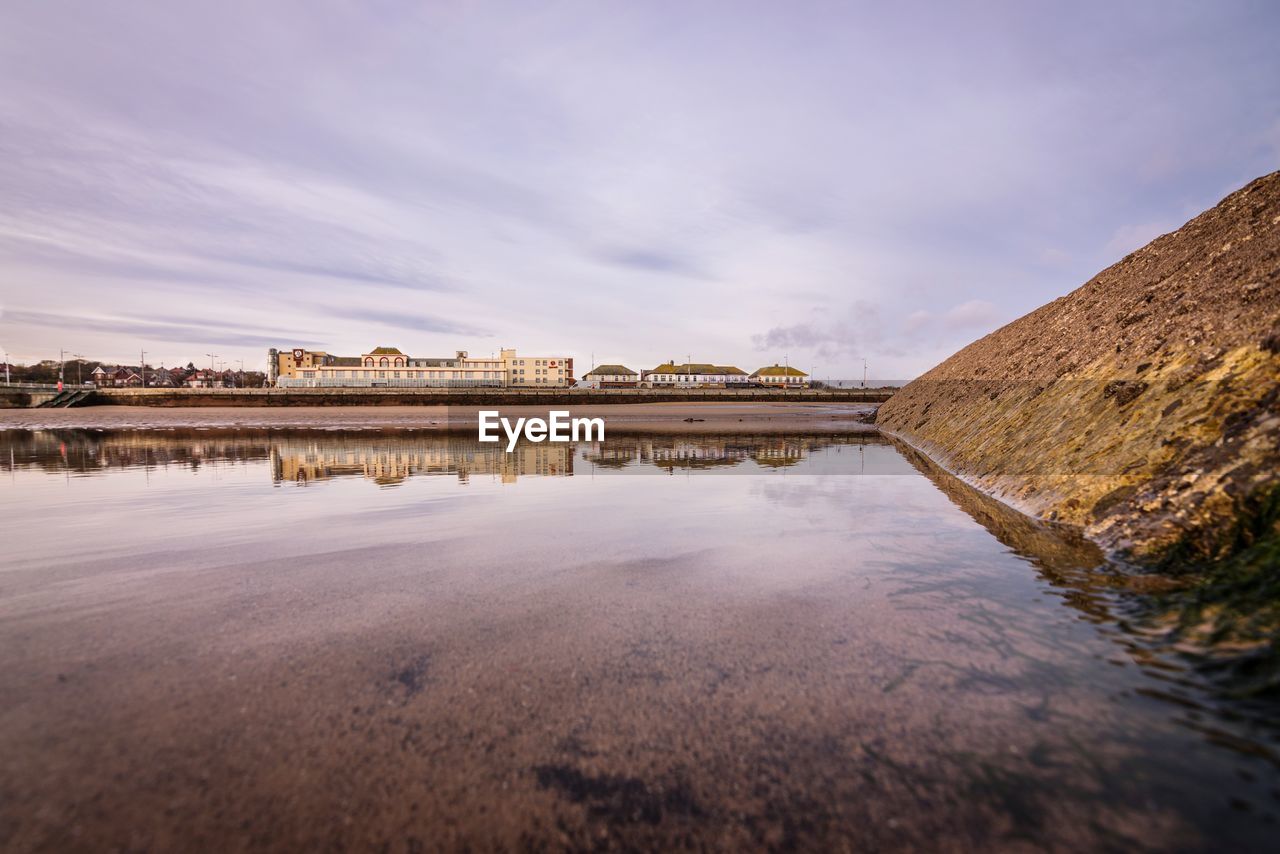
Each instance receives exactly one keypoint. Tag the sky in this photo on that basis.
(621, 182)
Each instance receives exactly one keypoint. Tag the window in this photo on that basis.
(383, 362)
(368, 363)
(399, 363)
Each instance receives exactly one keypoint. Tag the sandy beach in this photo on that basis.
(645, 417)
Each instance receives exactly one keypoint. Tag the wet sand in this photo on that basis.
(204, 658)
(637, 417)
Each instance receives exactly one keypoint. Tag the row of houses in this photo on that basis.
(696, 375)
(107, 376)
(391, 366)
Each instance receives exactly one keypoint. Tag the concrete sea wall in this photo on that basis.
(467, 397)
(1144, 407)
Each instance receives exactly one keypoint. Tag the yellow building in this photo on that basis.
(537, 371)
(391, 460)
(389, 366)
(779, 376)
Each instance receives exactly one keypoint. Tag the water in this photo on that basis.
(259, 640)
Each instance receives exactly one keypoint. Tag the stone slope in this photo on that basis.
(1143, 406)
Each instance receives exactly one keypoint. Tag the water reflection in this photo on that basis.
(596, 661)
(390, 457)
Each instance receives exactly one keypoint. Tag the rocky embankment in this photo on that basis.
(1143, 407)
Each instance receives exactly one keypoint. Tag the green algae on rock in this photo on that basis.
(1141, 407)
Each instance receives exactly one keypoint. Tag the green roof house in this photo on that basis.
(695, 375)
(780, 376)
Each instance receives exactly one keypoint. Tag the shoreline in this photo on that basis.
(688, 417)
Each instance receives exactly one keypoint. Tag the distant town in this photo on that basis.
(87, 372)
(392, 367)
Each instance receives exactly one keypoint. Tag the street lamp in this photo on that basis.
(79, 357)
(211, 356)
(142, 366)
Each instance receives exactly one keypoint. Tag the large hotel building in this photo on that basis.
(388, 366)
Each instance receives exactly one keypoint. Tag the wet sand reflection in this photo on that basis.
(825, 660)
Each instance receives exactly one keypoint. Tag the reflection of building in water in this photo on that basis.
(88, 452)
(679, 451)
(302, 459)
(390, 457)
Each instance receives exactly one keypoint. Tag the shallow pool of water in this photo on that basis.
(250, 640)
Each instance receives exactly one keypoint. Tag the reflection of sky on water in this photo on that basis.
(968, 627)
(390, 457)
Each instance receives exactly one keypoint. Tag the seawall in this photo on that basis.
(467, 397)
(1143, 407)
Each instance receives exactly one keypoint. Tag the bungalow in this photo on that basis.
(695, 375)
(612, 376)
(778, 376)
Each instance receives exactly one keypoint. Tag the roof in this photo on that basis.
(779, 371)
(687, 368)
(385, 351)
(610, 369)
(730, 369)
(345, 361)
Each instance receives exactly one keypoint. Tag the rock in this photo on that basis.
(1141, 463)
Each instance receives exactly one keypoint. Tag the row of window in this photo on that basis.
(434, 375)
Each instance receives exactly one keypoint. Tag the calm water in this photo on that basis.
(409, 641)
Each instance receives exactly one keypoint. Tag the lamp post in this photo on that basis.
(6, 367)
(142, 366)
(79, 357)
(240, 379)
(62, 363)
(211, 356)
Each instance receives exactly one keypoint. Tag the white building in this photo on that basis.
(611, 376)
(389, 366)
(779, 376)
(695, 375)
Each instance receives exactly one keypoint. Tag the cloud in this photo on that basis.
(412, 322)
(565, 176)
(1130, 238)
(1055, 257)
(806, 336)
(192, 331)
(650, 261)
(974, 314)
